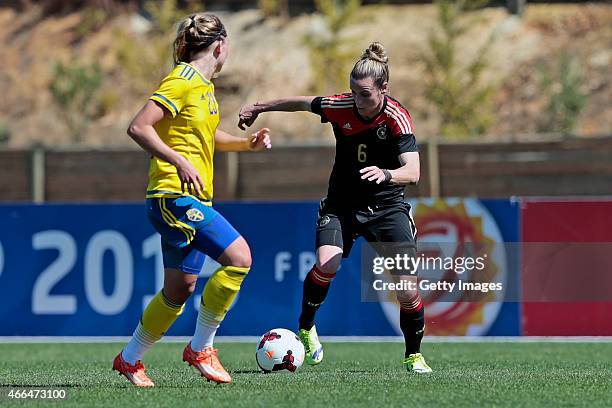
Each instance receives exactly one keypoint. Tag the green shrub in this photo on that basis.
(5, 134)
(331, 55)
(562, 89)
(274, 8)
(92, 19)
(453, 84)
(74, 88)
(147, 58)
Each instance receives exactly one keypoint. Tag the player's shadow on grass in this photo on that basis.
(30, 385)
(352, 371)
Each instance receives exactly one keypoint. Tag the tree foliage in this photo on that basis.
(274, 8)
(562, 88)
(74, 87)
(454, 84)
(330, 52)
(147, 57)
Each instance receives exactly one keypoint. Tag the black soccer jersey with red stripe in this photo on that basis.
(365, 142)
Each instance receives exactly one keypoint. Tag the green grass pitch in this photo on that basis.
(352, 375)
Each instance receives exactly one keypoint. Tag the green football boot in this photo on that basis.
(415, 363)
(312, 346)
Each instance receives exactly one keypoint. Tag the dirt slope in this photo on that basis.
(270, 60)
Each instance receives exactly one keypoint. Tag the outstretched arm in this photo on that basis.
(228, 143)
(249, 113)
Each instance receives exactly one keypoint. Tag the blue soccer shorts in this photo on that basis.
(190, 229)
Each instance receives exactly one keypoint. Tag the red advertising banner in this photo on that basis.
(566, 265)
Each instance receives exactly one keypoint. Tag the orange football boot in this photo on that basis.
(135, 373)
(207, 363)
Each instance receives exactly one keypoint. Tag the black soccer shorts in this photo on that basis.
(340, 227)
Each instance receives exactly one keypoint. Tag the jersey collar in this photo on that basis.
(368, 121)
(202, 77)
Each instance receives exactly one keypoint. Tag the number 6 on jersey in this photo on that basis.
(362, 156)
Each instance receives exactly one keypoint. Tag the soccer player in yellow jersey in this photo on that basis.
(178, 127)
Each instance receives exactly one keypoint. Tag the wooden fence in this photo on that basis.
(570, 167)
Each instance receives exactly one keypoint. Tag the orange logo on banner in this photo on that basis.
(454, 223)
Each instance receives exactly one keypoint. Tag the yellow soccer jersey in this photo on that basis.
(190, 130)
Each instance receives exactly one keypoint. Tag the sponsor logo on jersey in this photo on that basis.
(347, 126)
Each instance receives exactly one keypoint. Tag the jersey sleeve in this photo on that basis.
(315, 107)
(402, 130)
(171, 94)
(328, 107)
(406, 144)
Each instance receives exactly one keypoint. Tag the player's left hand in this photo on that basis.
(247, 116)
(373, 173)
(260, 140)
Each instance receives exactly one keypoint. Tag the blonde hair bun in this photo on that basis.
(195, 33)
(376, 51)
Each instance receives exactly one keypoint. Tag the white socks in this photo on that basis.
(140, 342)
(206, 328)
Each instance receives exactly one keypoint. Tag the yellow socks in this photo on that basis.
(159, 315)
(157, 318)
(219, 293)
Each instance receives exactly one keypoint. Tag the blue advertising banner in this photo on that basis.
(88, 270)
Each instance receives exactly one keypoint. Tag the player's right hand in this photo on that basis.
(189, 177)
(247, 115)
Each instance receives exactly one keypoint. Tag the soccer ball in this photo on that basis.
(279, 349)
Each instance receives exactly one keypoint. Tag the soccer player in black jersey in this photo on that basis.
(376, 156)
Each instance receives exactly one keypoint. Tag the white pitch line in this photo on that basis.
(329, 339)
